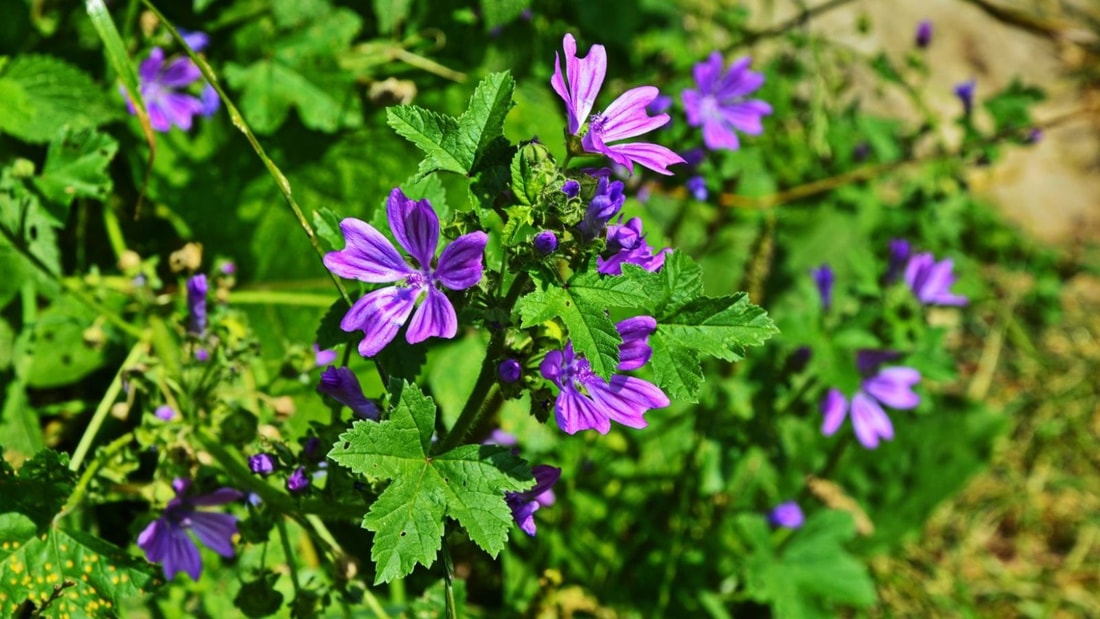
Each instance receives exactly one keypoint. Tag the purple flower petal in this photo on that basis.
(210, 100)
(180, 109)
(585, 78)
(550, 368)
(150, 67)
(460, 263)
(380, 315)
(181, 555)
(635, 352)
(787, 515)
(894, 387)
(215, 531)
(626, 117)
(627, 399)
(179, 73)
(574, 413)
(158, 119)
(870, 421)
(342, 385)
(652, 156)
(414, 224)
(194, 39)
(434, 318)
(368, 256)
(835, 409)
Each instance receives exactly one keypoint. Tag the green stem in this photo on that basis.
(104, 407)
(73, 287)
(830, 465)
(486, 378)
(288, 552)
(448, 582)
(89, 473)
(114, 232)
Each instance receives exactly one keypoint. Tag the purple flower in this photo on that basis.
(924, 33)
(165, 413)
(525, 504)
(786, 515)
(606, 203)
(341, 385)
(202, 355)
(196, 304)
(229, 268)
(823, 278)
(930, 281)
(509, 370)
(587, 402)
(625, 118)
(628, 245)
(298, 481)
(965, 92)
(370, 257)
(697, 187)
(311, 449)
(262, 464)
(571, 188)
(900, 251)
(160, 90)
(720, 106)
(891, 386)
(322, 357)
(546, 242)
(1034, 136)
(166, 540)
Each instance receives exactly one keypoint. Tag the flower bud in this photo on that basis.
(509, 370)
(262, 464)
(533, 169)
(298, 480)
(546, 242)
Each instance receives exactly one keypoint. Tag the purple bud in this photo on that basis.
(546, 242)
(194, 39)
(659, 105)
(502, 438)
(823, 279)
(900, 251)
(202, 355)
(571, 188)
(787, 515)
(694, 156)
(165, 413)
(527, 14)
(196, 304)
(861, 152)
(924, 33)
(509, 371)
(606, 203)
(323, 357)
(229, 268)
(311, 449)
(698, 188)
(298, 480)
(262, 464)
(341, 385)
(965, 92)
(1034, 136)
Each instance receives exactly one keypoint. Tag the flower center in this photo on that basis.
(596, 123)
(709, 108)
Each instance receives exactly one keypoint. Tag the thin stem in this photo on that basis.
(830, 465)
(104, 407)
(89, 473)
(486, 378)
(240, 124)
(448, 582)
(288, 552)
(73, 288)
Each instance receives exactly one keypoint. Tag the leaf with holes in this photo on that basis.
(76, 167)
(466, 484)
(69, 573)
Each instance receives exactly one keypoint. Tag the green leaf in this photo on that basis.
(20, 429)
(41, 488)
(466, 484)
(39, 94)
(435, 134)
(812, 573)
(71, 573)
(325, 101)
(676, 369)
(458, 144)
(329, 333)
(28, 228)
(62, 325)
(720, 327)
(302, 70)
(680, 281)
(327, 225)
(483, 121)
(76, 166)
(582, 306)
(1011, 108)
